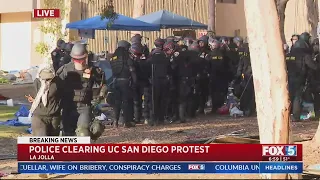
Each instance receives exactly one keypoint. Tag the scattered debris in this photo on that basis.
(148, 141)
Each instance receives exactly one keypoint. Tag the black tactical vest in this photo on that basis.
(216, 62)
(295, 65)
(119, 66)
(79, 86)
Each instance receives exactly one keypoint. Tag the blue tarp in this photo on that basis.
(22, 112)
(121, 23)
(166, 19)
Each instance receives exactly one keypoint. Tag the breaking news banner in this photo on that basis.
(46, 13)
(151, 168)
(79, 149)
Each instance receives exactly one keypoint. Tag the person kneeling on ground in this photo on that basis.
(46, 106)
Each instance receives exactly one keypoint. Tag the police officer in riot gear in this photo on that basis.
(160, 78)
(294, 39)
(200, 74)
(305, 38)
(137, 39)
(217, 71)
(299, 62)
(125, 80)
(187, 41)
(203, 43)
(142, 86)
(315, 77)
(186, 79)
(57, 54)
(77, 94)
(158, 44)
(244, 75)
(238, 52)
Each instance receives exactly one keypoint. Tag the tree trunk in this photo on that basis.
(138, 11)
(316, 137)
(281, 9)
(212, 16)
(269, 75)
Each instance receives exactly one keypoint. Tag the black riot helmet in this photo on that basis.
(187, 41)
(79, 52)
(224, 40)
(305, 37)
(300, 44)
(214, 44)
(238, 40)
(204, 39)
(124, 44)
(159, 42)
(61, 43)
(136, 49)
(68, 47)
(170, 39)
(169, 47)
(136, 39)
(194, 47)
(295, 37)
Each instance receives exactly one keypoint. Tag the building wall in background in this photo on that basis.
(194, 9)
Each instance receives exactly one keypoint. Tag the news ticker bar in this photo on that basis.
(159, 152)
(164, 168)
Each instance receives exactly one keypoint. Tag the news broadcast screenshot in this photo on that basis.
(159, 89)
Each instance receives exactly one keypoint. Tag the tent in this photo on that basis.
(121, 23)
(166, 19)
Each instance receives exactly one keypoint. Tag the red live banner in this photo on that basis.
(159, 152)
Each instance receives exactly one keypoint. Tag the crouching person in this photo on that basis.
(46, 106)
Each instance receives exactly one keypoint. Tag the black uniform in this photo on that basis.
(187, 72)
(218, 83)
(57, 56)
(125, 79)
(161, 73)
(298, 63)
(203, 80)
(142, 89)
(66, 57)
(77, 97)
(247, 97)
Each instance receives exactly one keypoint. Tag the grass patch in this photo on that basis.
(7, 112)
(12, 131)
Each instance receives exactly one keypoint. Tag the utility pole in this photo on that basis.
(212, 16)
(269, 75)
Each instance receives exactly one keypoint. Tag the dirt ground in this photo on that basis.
(199, 128)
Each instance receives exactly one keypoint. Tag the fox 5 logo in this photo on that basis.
(279, 150)
(196, 167)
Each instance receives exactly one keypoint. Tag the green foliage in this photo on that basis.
(42, 48)
(53, 25)
(108, 12)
